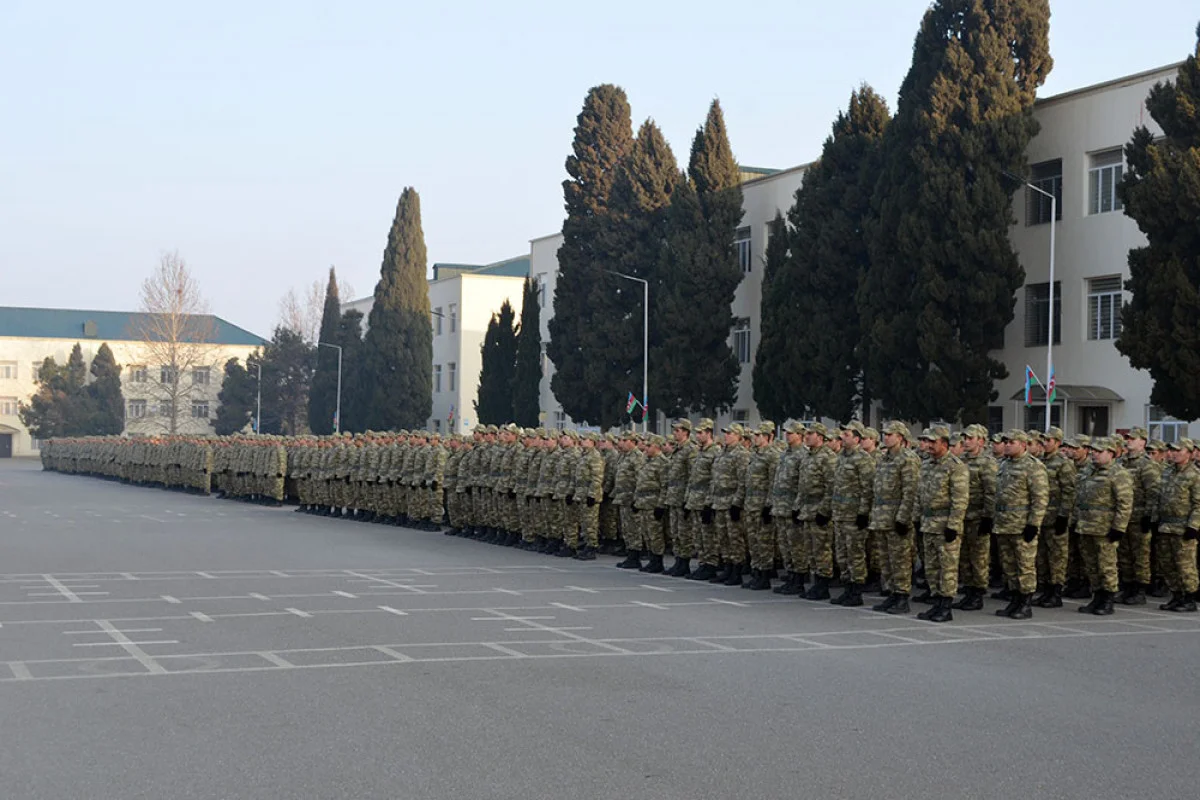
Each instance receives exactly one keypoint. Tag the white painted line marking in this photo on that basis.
(20, 671)
(649, 605)
(279, 573)
(507, 618)
(298, 613)
(207, 575)
(580, 589)
(257, 596)
(346, 594)
(83, 585)
(129, 576)
(427, 572)
(725, 602)
(387, 651)
(126, 630)
(386, 582)
(170, 599)
(656, 588)
(908, 639)
(395, 611)
(507, 591)
(202, 616)
(567, 607)
(123, 644)
(555, 629)
(92, 594)
(276, 660)
(63, 590)
(802, 640)
(147, 516)
(499, 648)
(569, 635)
(713, 644)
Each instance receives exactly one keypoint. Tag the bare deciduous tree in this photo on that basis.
(176, 331)
(302, 314)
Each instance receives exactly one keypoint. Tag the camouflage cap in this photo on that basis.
(571, 433)
(682, 424)
(793, 426)
(1015, 435)
(855, 426)
(512, 427)
(1138, 433)
(612, 437)
(766, 428)
(956, 438)
(976, 431)
(1034, 435)
(1083, 440)
(1055, 433)
(491, 429)
(936, 432)
(705, 424)
(1156, 444)
(819, 428)
(734, 427)
(1182, 444)
(896, 426)
(870, 433)
(1104, 443)
(656, 440)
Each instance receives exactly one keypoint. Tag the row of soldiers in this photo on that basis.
(1054, 514)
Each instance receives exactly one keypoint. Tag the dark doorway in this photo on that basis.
(5, 445)
(1093, 420)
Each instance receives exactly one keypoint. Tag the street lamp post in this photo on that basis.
(337, 414)
(258, 402)
(645, 340)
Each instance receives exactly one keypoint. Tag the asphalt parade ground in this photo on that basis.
(162, 645)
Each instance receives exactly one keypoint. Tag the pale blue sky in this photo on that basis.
(265, 140)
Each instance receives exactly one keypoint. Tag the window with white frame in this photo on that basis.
(35, 369)
(167, 374)
(35, 443)
(135, 409)
(541, 289)
(8, 370)
(453, 308)
(164, 409)
(138, 373)
(1163, 426)
(560, 419)
(1104, 173)
(1104, 308)
(199, 409)
(1037, 318)
(437, 321)
(437, 426)
(741, 340)
(8, 406)
(437, 377)
(201, 376)
(740, 415)
(741, 243)
(452, 376)
(1046, 176)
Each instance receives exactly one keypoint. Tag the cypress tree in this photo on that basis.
(76, 373)
(941, 286)
(237, 399)
(1161, 192)
(603, 138)
(322, 397)
(499, 356)
(49, 413)
(774, 382)
(350, 337)
(527, 375)
(105, 401)
(397, 362)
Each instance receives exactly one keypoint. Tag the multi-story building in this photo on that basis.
(462, 299)
(29, 335)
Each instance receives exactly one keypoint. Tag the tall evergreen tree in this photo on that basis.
(52, 410)
(287, 365)
(499, 356)
(940, 288)
(322, 397)
(237, 399)
(350, 337)
(527, 375)
(105, 400)
(397, 363)
(774, 382)
(603, 138)
(76, 374)
(1161, 192)
(809, 305)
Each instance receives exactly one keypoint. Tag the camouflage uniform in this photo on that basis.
(1022, 495)
(727, 496)
(759, 481)
(649, 512)
(624, 486)
(789, 533)
(814, 513)
(587, 493)
(1102, 510)
(1133, 553)
(1177, 520)
(696, 505)
(548, 525)
(566, 515)
(975, 552)
(945, 489)
(683, 544)
(1052, 541)
(894, 497)
(853, 480)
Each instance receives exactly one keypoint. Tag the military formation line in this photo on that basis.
(1039, 517)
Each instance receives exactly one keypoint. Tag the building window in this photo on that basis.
(437, 321)
(437, 426)
(1093, 420)
(135, 409)
(437, 377)
(995, 423)
(1035, 416)
(1104, 308)
(35, 369)
(452, 376)
(560, 420)
(541, 289)
(8, 370)
(1046, 176)
(1037, 323)
(453, 318)
(1163, 426)
(8, 406)
(200, 409)
(138, 374)
(200, 376)
(35, 443)
(741, 243)
(740, 415)
(741, 340)
(167, 374)
(164, 409)
(1103, 176)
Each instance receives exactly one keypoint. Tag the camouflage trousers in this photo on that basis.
(1133, 554)
(708, 542)
(679, 524)
(1074, 558)
(850, 545)
(760, 539)
(653, 532)
(819, 548)
(1100, 562)
(1018, 560)
(877, 551)
(975, 553)
(531, 518)
(608, 521)
(896, 564)
(556, 518)
(588, 523)
(1177, 558)
(941, 564)
(731, 537)
(631, 528)
(793, 543)
(1052, 557)
(571, 517)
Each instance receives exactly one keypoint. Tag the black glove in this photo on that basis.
(1145, 523)
(949, 535)
(735, 513)
(901, 529)
(528, 499)
(635, 511)
(591, 501)
(1154, 529)
(986, 526)
(687, 514)
(1030, 533)
(861, 522)
(796, 517)
(1060, 525)
(570, 501)
(1074, 529)
(1115, 535)
(1190, 534)
(706, 515)
(434, 486)
(660, 512)
(766, 516)
(511, 492)
(822, 520)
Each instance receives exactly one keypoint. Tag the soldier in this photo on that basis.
(1052, 537)
(894, 499)
(683, 543)
(1175, 522)
(944, 494)
(814, 507)
(1133, 553)
(727, 495)
(853, 481)
(531, 516)
(564, 488)
(1022, 495)
(1102, 511)
(876, 541)
(547, 510)
(610, 537)
(649, 511)
(975, 549)
(624, 486)
(587, 494)
(789, 531)
(1077, 585)
(696, 501)
(760, 529)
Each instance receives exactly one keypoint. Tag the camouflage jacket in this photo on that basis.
(814, 484)
(945, 491)
(853, 481)
(894, 492)
(548, 472)
(760, 477)
(650, 488)
(782, 496)
(678, 469)
(626, 480)
(728, 486)
(1105, 500)
(1147, 478)
(983, 469)
(1060, 473)
(1022, 494)
(589, 475)
(564, 476)
(700, 477)
(1179, 500)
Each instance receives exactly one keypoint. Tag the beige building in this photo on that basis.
(463, 298)
(29, 335)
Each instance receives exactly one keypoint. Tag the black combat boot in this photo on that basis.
(654, 566)
(925, 597)
(566, 551)
(873, 584)
(855, 598)
(734, 578)
(302, 509)
(841, 599)
(337, 512)
(540, 544)
(1040, 594)
(703, 573)
(788, 586)
(901, 604)
(935, 604)
(1024, 609)
(819, 590)
(722, 574)
(586, 553)
(1175, 602)
(1004, 594)
(1135, 595)
(971, 601)
(1077, 590)
(1091, 606)
(681, 568)
(941, 611)
(1158, 587)
(1014, 602)
(759, 582)
(1105, 607)
(886, 605)
(1187, 604)
(632, 561)
(1052, 598)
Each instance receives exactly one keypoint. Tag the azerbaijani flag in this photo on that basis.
(450, 416)
(1052, 386)
(1030, 380)
(630, 403)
